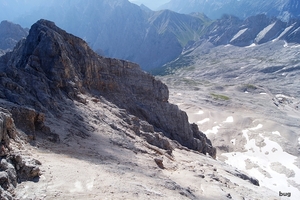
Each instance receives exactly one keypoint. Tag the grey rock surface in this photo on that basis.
(14, 167)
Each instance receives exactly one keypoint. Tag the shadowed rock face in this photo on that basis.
(52, 67)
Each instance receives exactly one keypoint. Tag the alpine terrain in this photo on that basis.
(81, 119)
(239, 83)
(214, 9)
(90, 124)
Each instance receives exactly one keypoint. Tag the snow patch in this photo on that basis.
(276, 133)
(241, 32)
(203, 121)
(90, 185)
(262, 159)
(251, 45)
(200, 112)
(179, 94)
(299, 140)
(285, 31)
(263, 33)
(214, 130)
(259, 126)
(295, 46)
(229, 120)
(78, 187)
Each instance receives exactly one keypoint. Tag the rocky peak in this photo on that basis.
(52, 67)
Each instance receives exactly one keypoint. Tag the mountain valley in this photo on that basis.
(246, 100)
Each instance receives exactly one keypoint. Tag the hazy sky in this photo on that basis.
(152, 4)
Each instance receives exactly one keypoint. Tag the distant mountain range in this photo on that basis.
(214, 9)
(10, 34)
(120, 29)
(152, 4)
(230, 30)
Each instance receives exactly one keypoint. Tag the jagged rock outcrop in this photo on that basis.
(52, 67)
(10, 34)
(14, 166)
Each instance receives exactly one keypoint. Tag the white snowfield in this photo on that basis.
(263, 33)
(268, 162)
(203, 121)
(274, 168)
(241, 32)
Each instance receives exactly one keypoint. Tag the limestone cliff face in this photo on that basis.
(52, 67)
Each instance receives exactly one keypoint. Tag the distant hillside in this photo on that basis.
(10, 34)
(241, 8)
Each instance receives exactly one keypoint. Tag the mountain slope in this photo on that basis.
(119, 137)
(243, 8)
(186, 28)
